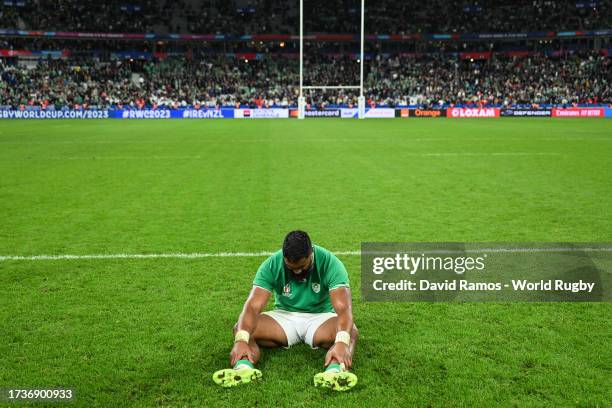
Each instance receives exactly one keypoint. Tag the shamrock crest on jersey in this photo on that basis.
(287, 290)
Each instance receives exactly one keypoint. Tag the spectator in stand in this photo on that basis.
(435, 80)
(236, 17)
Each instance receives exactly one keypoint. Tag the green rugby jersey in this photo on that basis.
(310, 296)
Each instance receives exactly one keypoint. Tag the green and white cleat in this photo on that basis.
(337, 381)
(230, 377)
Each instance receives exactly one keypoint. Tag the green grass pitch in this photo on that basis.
(150, 332)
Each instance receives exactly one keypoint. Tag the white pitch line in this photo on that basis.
(488, 250)
(488, 154)
(198, 255)
(93, 158)
(194, 255)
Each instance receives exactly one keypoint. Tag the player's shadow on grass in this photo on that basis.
(300, 357)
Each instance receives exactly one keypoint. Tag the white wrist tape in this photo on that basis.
(343, 337)
(242, 335)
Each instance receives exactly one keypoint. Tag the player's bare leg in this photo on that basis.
(268, 334)
(335, 376)
(325, 336)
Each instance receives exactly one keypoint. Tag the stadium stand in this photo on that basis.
(582, 78)
(39, 71)
(276, 16)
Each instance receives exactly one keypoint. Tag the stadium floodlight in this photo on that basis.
(360, 99)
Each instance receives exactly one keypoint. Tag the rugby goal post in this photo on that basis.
(360, 99)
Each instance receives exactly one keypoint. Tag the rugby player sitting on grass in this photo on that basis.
(312, 305)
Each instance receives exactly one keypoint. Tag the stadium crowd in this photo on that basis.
(75, 15)
(239, 17)
(432, 80)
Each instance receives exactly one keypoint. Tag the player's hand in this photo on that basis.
(339, 352)
(240, 351)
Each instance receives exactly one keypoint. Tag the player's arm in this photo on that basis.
(247, 322)
(257, 300)
(340, 351)
(341, 301)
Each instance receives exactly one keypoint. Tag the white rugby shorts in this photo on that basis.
(299, 327)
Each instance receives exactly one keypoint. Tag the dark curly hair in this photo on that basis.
(296, 246)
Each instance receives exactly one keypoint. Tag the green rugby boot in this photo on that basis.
(337, 381)
(230, 377)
